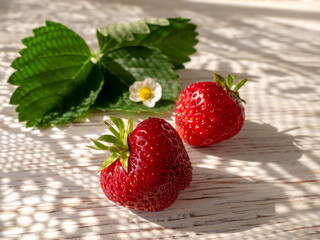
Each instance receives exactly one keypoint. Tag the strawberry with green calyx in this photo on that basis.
(147, 167)
(210, 112)
(120, 148)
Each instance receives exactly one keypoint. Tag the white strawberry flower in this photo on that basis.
(148, 92)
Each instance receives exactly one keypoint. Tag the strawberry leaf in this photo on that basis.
(57, 82)
(174, 37)
(124, 104)
(126, 65)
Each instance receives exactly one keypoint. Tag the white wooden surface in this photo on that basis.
(261, 184)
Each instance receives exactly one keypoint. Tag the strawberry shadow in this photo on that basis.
(219, 202)
(276, 152)
(257, 142)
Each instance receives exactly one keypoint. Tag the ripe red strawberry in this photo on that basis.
(147, 167)
(210, 112)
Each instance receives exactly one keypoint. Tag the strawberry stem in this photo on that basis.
(227, 85)
(119, 149)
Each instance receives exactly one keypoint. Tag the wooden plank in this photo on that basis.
(261, 184)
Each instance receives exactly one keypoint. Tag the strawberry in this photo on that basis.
(210, 112)
(147, 167)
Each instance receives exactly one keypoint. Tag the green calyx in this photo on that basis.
(119, 143)
(227, 85)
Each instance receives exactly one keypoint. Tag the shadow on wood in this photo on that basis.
(256, 142)
(219, 202)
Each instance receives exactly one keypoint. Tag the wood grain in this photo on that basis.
(261, 184)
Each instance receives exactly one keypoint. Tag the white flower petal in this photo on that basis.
(134, 91)
(149, 103)
(157, 92)
(150, 83)
(135, 97)
(136, 86)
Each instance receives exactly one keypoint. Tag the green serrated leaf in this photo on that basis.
(175, 37)
(240, 84)
(110, 159)
(129, 64)
(57, 82)
(124, 104)
(124, 157)
(230, 81)
(100, 145)
(132, 64)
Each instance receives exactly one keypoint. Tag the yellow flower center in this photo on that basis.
(145, 93)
